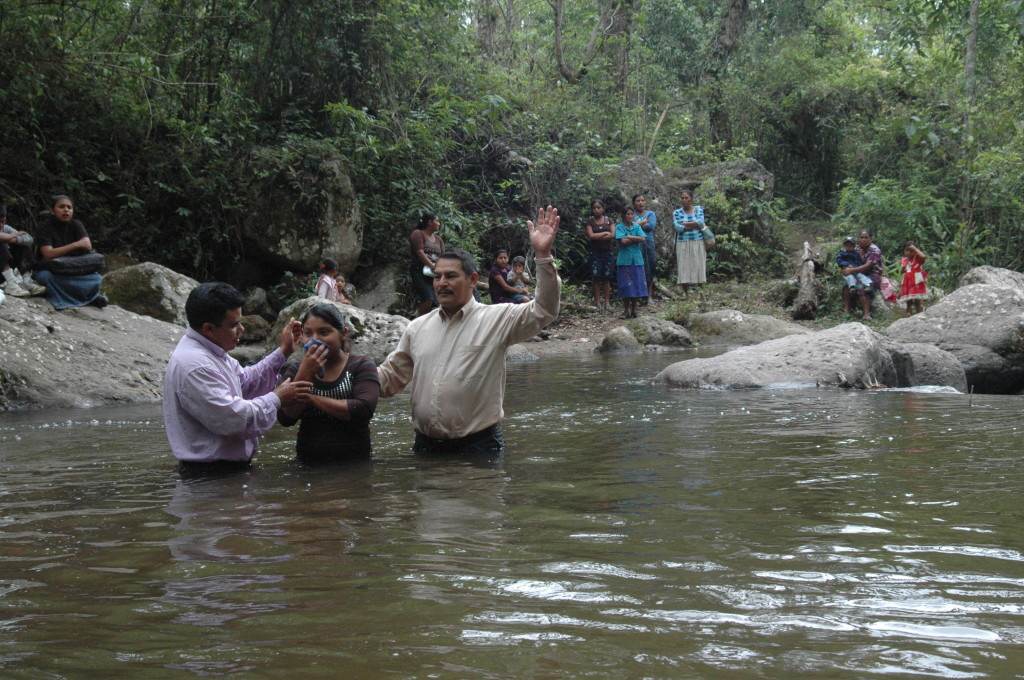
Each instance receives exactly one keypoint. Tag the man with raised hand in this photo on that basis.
(453, 358)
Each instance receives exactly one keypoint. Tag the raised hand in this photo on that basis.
(542, 235)
(291, 336)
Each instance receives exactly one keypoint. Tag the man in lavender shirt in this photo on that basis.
(215, 410)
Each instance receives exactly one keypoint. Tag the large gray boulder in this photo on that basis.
(378, 289)
(850, 355)
(654, 331)
(82, 356)
(732, 327)
(923, 364)
(256, 303)
(983, 326)
(993, 276)
(302, 207)
(620, 339)
(150, 289)
(373, 334)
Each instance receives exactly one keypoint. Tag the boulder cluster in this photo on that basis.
(86, 356)
(971, 340)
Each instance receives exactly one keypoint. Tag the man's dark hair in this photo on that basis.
(467, 260)
(210, 302)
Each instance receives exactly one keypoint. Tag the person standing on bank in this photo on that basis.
(454, 357)
(215, 410)
(601, 236)
(62, 235)
(630, 264)
(425, 246)
(691, 258)
(647, 221)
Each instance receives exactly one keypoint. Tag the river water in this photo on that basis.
(629, 531)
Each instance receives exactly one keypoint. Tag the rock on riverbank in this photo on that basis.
(850, 355)
(80, 357)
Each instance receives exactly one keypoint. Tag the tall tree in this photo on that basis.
(719, 51)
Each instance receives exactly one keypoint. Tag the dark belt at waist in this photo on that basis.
(488, 439)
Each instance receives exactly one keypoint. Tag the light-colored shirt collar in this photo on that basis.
(462, 312)
(206, 342)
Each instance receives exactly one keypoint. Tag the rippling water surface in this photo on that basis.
(629, 531)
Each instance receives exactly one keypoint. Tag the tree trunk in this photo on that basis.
(719, 51)
(574, 76)
(486, 18)
(970, 59)
(805, 307)
(621, 29)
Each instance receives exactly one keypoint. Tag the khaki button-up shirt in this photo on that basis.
(456, 365)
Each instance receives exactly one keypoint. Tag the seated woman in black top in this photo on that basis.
(335, 425)
(62, 235)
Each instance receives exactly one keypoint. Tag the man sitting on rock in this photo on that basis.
(215, 410)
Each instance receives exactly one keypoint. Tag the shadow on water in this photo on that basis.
(629, 530)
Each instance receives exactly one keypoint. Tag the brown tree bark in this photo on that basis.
(575, 75)
(805, 307)
(719, 51)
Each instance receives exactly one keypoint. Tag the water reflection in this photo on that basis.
(629, 529)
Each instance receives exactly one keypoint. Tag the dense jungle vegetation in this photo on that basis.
(904, 115)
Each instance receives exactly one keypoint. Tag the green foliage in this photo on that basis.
(155, 115)
(680, 311)
(291, 288)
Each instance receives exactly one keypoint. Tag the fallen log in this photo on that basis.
(805, 306)
(663, 291)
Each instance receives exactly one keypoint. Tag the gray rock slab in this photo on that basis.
(921, 364)
(848, 355)
(80, 357)
(655, 331)
(620, 339)
(150, 289)
(994, 276)
(732, 327)
(977, 324)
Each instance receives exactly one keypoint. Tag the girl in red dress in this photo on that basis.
(913, 290)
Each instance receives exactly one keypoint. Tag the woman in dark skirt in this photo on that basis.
(62, 235)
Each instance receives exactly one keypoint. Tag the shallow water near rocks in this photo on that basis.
(629, 530)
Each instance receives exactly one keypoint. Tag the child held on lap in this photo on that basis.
(849, 257)
(519, 278)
